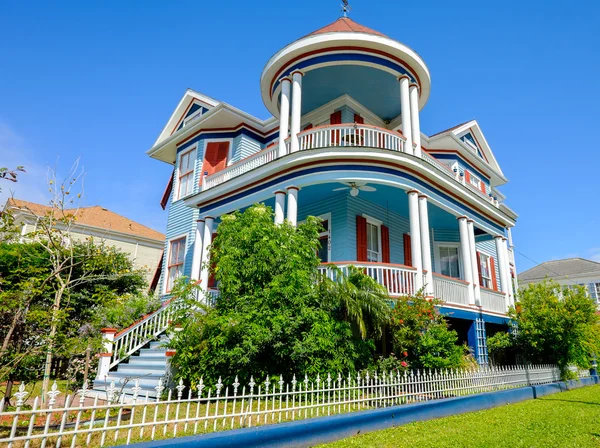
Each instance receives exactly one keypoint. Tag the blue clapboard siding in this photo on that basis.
(244, 146)
(489, 247)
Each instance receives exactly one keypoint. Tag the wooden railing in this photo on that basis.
(131, 339)
(493, 300)
(451, 290)
(399, 280)
(351, 135)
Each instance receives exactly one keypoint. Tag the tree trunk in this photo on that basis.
(8, 393)
(87, 363)
(52, 335)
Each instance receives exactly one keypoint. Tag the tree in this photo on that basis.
(420, 335)
(10, 174)
(269, 317)
(556, 325)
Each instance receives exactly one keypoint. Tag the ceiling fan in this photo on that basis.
(355, 188)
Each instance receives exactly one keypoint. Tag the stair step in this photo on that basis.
(137, 371)
(141, 364)
(100, 388)
(153, 352)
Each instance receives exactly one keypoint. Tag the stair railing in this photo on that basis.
(120, 345)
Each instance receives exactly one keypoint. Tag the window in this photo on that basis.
(486, 272)
(449, 262)
(594, 290)
(373, 242)
(325, 241)
(475, 182)
(175, 261)
(193, 117)
(187, 163)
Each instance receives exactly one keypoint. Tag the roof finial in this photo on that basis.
(346, 8)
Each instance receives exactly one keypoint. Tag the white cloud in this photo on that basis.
(32, 184)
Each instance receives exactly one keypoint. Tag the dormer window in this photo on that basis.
(193, 117)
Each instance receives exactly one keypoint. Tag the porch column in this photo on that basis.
(197, 254)
(292, 205)
(405, 111)
(465, 250)
(473, 249)
(284, 115)
(415, 237)
(425, 244)
(206, 242)
(414, 118)
(279, 206)
(504, 277)
(514, 284)
(296, 109)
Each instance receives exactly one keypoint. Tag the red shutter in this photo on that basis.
(167, 194)
(407, 250)
(478, 255)
(336, 118)
(493, 269)
(385, 244)
(358, 119)
(215, 158)
(310, 138)
(361, 238)
(467, 176)
(308, 126)
(212, 282)
(482, 185)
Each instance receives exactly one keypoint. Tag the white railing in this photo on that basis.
(493, 301)
(131, 339)
(243, 166)
(451, 290)
(209, 408)
(351, 135)
(399, 280)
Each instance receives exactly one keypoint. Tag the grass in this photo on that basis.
(569, 419)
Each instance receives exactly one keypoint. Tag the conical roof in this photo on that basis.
(345, 24)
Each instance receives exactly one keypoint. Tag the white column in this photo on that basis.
(465, 250)
(197, 254)
(415, 236)
(504, 277)
(292, 205)
(474, 269)
(296, 109)
(515, 284)
(284, 115)
(405, 110)
(279, 206)
(511, 292)
(206, 242)
(414, 118)
(108, 336)
(426, 244)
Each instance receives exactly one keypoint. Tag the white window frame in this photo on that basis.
(216, 140)
(475, 180)
(438, 257)
(489, 267)
(200, 111)
(177, 181)
(183, 236)
(376, 222)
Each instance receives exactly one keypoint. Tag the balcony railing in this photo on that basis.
(399, 280)
(450, 290)
(493, 300)
(350, 135)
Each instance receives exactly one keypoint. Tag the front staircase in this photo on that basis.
(137, 354)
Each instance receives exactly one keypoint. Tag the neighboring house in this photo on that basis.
(144, 245)
(344, 144)
(568, 272)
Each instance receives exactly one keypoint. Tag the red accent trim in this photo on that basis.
(435, 274)
(241, 125)
(215, 158)
(187, 109)
(451, 151)
(385, 244)
(157, 272)
(477, 254)
(104, 355)
(397, 166)
(297, 71)
(493, 269)
(413, 191)
(280, 192)
(293, 188)
(170, 353)
(361, 238)
(358, 119)
(167, 194)
(407, 249)
(109, 330)
(341, 48)
(467, 176)
(478, 145)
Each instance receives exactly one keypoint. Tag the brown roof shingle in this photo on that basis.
(345, 24)
(558, 269)
(94, 216)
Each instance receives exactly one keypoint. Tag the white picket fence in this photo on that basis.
(181, 411)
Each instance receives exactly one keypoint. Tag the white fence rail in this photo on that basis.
(399, 280)
(351, 135)
(450, 290)
(136, 336)
(493, 301)
(183, 411)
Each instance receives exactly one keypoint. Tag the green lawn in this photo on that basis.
(569, 419)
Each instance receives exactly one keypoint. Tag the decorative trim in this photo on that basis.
(293, 187)
(109, 331)
(279, 192)
(413, 191)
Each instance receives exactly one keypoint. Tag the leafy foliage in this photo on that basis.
(556, 325)
(270, 317)
(422, 335)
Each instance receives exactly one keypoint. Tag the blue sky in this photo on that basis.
(98, 80)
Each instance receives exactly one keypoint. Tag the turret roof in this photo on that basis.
(345, 24)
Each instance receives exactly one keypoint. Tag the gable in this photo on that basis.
(471, 142)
